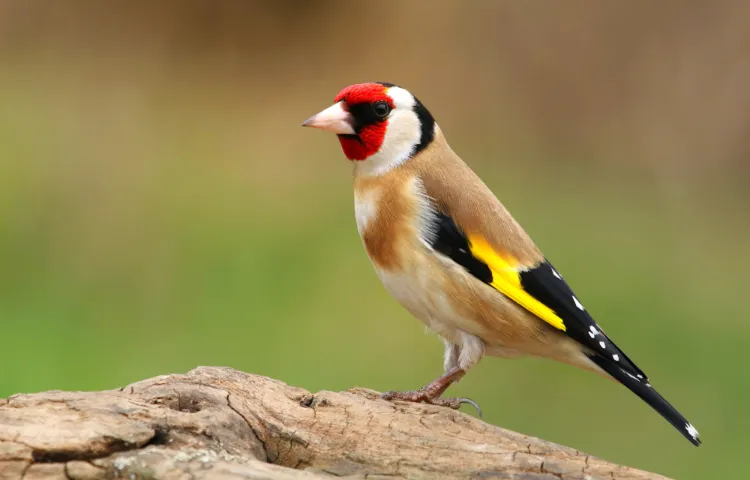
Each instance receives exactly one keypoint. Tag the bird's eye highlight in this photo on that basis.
(381, 109)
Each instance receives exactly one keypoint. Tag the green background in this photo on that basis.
(161, 208)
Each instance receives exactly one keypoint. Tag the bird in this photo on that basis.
(453, 256)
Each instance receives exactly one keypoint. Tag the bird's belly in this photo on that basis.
(452, 303)
(420, 290)
(420, 296)
(395, 229)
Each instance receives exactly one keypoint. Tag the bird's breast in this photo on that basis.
(398, 225)
(395, 221)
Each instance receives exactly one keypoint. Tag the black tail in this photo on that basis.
(644, 390)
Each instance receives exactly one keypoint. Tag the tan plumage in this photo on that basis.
(451, 301)
(446, 248)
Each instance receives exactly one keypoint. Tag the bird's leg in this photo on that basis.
(450, 357)
(431, 392)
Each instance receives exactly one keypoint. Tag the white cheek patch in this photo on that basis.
(402, 136)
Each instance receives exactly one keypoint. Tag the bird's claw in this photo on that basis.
(420, 396)
(468, 401)
(455, 403)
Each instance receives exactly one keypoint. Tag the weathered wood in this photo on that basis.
(224, 424)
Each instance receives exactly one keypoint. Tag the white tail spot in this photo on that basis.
(692, 431)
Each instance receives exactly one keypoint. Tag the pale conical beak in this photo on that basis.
(334, 119)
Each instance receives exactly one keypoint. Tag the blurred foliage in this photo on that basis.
(160, 208)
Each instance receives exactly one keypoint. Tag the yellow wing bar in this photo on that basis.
(506, 279)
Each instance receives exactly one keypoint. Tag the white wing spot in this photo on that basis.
(602, 344)
(578, 304)
(593, 331)
(639, 376)
(692, 431)
(554, 272)
(616, 357)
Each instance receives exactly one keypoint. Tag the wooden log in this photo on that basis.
(224, 424)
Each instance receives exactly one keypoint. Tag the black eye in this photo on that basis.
(381, 109)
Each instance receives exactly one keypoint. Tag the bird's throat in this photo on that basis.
(366, 143)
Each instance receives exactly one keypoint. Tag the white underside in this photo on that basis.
(417, 290)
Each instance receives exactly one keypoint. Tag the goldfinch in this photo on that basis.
(453, 256)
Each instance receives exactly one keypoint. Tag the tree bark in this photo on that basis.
(224, 424)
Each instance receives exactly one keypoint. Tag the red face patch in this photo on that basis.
(363, 93)
(370, 137)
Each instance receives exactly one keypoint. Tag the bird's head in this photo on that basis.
(377, 123)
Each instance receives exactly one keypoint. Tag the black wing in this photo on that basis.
(545, 284)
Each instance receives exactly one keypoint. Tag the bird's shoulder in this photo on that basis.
(459, 193)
